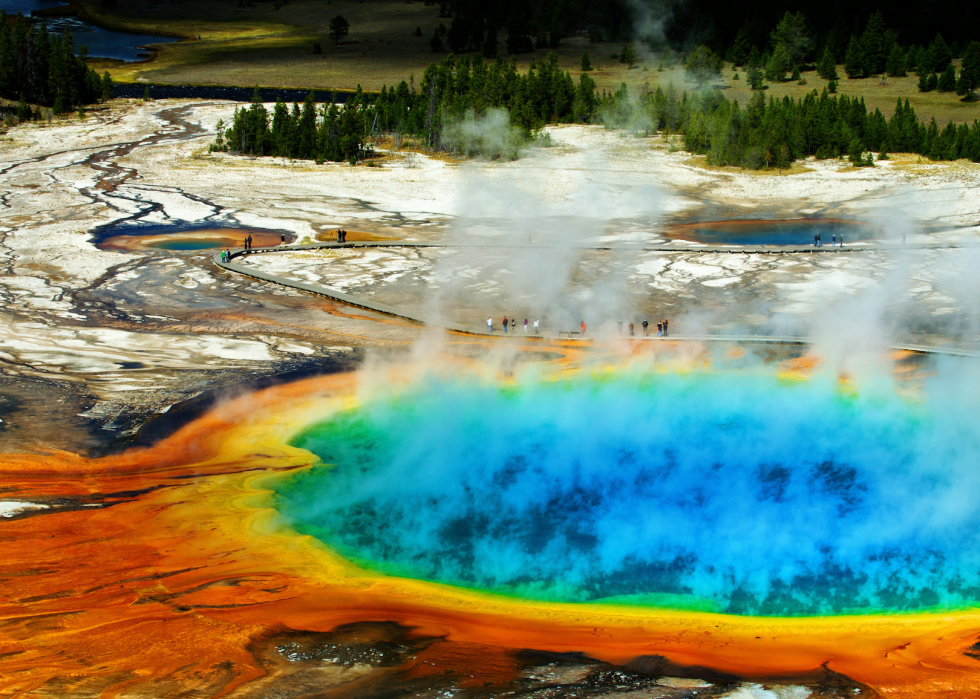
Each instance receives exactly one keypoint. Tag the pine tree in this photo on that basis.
(895, 66)
(779, 63)
(793, 35)
(435, 43)
(339, 28)
(874, 45)
(938, 54)
(755, 78)
(970, 74)
(702, 66)
(827, 66)
(106, 86)
(628, 56)
(586, 63)
(947, 81)
(854, 59)
(740, 50)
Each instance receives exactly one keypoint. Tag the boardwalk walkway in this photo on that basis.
(420, 319)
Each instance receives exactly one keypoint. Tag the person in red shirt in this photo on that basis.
(582, 325)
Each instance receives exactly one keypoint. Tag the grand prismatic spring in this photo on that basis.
(314, 470)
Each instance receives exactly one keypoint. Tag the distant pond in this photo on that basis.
(101, 43)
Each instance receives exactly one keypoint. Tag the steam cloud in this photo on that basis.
(734, 491)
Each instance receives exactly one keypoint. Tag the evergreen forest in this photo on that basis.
(45, 69)
(765, 133)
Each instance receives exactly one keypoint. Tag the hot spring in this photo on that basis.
(765, 232)
(739, 492)
(178, 237)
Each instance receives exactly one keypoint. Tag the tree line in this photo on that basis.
(774, 133)
(766, 133)
(45, 69)
(521, 26)
(311, 132)
(448, 93)
(874, 50)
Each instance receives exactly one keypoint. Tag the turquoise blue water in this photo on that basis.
(799, 232)
(734, 492)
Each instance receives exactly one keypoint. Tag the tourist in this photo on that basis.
(282, 238)
(505, 323)
(245, 245)
(619, 327)
(660, 328)
(343, 236)
(842, 240)
(525, 326)
(513, 324)
(250, 243)
(536, 327)
(631, 328)
(645, 326)
(814, 240)
(833, 240)
(665, 327)
(582, 326)
(490, 325)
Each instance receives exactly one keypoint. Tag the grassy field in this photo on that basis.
(261, 45)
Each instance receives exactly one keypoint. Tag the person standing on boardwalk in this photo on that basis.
(665, 327)
(631, 328)
(245, 245)
(490, 325)
(660, 328)
(833, 240)
(505, 323)
(282, 238)
(645, 326)
(582, 327)
(250, 243)
(525, 326)
(536, 327)
(513, 324)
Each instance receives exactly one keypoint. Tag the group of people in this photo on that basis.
(341, 236)
(833, 240)
(226, 256)
(661, 328)
(512, 324)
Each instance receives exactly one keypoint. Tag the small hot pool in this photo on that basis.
(183, 238)
(761, 232)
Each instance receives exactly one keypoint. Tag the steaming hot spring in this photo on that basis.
(750, 493)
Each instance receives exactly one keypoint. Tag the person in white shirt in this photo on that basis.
(490, 325)
(536, 327)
